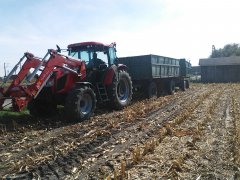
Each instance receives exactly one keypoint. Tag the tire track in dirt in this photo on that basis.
(199, 153)
(235, 113)
(218, 132)
(149, 131)
(89, 144)
(18, 136)
(200, 106)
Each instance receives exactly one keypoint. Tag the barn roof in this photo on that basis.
(221, 61)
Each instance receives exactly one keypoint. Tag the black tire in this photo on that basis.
(41, 108)
(187, 84)
(152, 90)
(171, 87)
(80, 104)
(120, 92)
(183, 85)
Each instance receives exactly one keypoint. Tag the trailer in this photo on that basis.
(155, 75)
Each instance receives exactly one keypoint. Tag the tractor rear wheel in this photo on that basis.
(41, 108)
(80, 104)
(120, 92)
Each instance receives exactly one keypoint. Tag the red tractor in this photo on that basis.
(90, 74)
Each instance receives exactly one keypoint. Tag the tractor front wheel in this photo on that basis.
(120, 92)
(80, 104)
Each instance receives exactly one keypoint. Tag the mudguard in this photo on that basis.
(113, 71)
(82, 84)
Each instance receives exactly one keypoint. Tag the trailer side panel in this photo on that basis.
(151, 67)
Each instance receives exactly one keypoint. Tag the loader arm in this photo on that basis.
(21, 95)
(31, 62)
(56, 60)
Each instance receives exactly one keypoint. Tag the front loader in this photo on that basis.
(11, 91)
(57, 79)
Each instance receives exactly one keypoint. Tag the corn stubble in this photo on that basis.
(181, 148)
(192, 127)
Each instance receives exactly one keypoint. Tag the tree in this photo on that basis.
(226, 51)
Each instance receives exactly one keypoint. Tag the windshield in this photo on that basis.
(87, 55)
(84, 55)
(74, 54)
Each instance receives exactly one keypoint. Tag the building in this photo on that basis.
(195, 70)
(223, 69)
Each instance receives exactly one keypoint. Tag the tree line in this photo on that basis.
(226, 51)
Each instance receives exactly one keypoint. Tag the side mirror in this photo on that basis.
(58, 49)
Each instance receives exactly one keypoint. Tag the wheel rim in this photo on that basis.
(86, 104)
(123, 90)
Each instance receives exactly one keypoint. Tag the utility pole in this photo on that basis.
(5, 73)
(213, 51)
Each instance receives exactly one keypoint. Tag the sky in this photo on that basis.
(172, 28)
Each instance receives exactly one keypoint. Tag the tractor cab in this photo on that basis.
(99, 59)
(110, 80)
(96, 55)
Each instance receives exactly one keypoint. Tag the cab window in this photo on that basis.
(102, 56)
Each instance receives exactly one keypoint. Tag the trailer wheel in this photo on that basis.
(80, 104)
(120, 92)
(151, 90)
(41, 108)
(183, 85)
(187, 84)
(171, 87)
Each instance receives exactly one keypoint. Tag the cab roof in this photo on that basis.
(90, 43)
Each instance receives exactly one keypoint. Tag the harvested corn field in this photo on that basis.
(189, 135)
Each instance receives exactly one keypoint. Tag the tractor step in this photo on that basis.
(102, 92)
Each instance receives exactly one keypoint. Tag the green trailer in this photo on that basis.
(154, 75)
